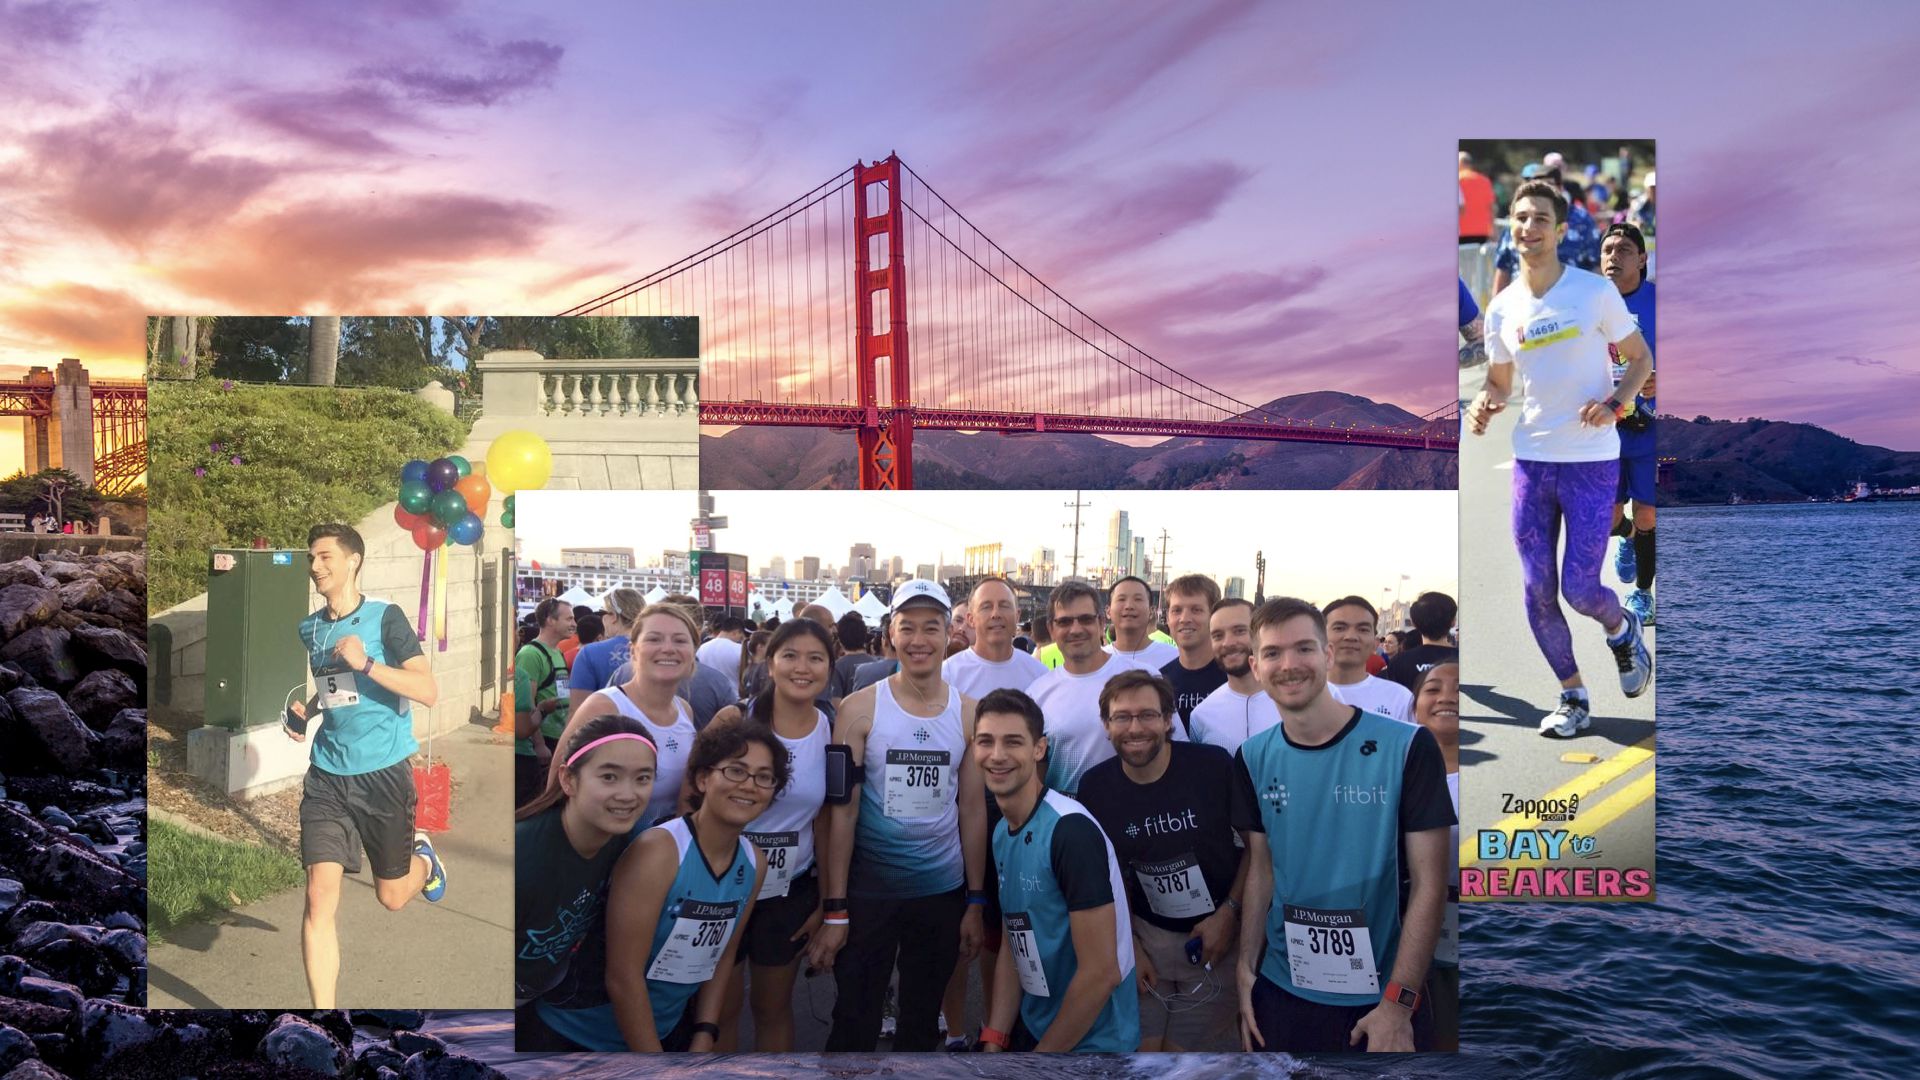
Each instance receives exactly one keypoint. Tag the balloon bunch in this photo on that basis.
(518, 460)
(442, 500)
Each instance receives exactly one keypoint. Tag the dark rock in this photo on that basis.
(124, 744)
(53, 815)
(22, 572)
(78, 595)
(11, 677)
(33, 937)
(33, 1017)
(241, 1028)
(11, 893)
(385, 1073)
(302, 1044)
(15, 1047)
(101, 694)
(23, 607)
(396, 1019)
(449, 1067)
(335, 1022)
(417, 1042)
(127, 948)
(32, 911)
(123, 920)
(112, 648)
(43, 653)
(374, 1055)
(49, 731)
(256, 1070)
(34, 1070)
(52, 1045)
(121, 1040)
(16, 981)
(83, 963)
(123, 606)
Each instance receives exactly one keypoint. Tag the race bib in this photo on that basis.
(919, 783)
(1447, 949)
(1330, 951)
(1026, 954)
(338, 691)
(782, 850)
(560, 683)
(692, 950)
(1175, 888)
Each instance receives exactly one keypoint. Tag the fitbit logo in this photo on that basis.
(920, 735)
(1354, 795)
(1275, 795)
(1166, 824)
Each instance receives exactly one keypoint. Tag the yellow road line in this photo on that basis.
(1583, 785)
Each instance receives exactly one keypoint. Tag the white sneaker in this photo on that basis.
(1635, 660)
(1568, 720)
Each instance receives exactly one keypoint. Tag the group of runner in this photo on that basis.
(1236, 839)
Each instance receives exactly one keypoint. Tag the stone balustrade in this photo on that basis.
(524, 384)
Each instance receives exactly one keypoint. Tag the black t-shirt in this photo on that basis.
(1191, 687)
(1406, 667)
(559, 911)
(1185, 816)
(1079, 861)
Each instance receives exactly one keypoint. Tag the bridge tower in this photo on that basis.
(63, 439)
(880, 300)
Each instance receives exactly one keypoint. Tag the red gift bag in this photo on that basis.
(433, 788)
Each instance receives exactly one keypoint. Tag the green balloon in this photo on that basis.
(507, 505)
(506, 520)
(465, 466)
(415, 496)
(448, 507)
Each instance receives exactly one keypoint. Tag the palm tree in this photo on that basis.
(323, 349)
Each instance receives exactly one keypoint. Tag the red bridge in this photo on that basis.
(807, 319)
(95, 430)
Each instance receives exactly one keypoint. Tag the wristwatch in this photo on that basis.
(1402, 996)
(368, 670)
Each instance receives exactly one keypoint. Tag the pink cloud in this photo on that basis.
(355, 119)
(45, 23)
(76, 317)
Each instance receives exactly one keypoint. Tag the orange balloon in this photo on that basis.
(476, 491)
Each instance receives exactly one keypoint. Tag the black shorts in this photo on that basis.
(1294, 1025)
(339, 815)
(778, 918)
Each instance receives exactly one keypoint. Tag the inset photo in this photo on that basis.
(1558, 501)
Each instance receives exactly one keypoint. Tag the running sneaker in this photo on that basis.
(1568, 720)
(1640, 602)
(1624, 563)
(957, 1045)
(1631, 653)
(435, 887)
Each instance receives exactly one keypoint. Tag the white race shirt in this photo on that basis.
(1156, 655)
(1228, 718)
(722, 655)
(1376, 695)
(1558, 345)
(976, 676)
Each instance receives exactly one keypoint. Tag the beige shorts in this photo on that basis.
(1189, 1007)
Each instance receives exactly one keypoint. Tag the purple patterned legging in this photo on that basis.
(1581, 493)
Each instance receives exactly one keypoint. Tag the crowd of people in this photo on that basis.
(1234, 830)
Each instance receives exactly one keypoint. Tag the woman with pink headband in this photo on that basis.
(566, 842)
(664, 637)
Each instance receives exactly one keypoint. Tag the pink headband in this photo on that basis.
(575, 756)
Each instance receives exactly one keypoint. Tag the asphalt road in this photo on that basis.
(1506, 688)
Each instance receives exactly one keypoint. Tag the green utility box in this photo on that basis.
(255, 601)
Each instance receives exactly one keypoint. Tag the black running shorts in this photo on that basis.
(778, 918)
(339, 815)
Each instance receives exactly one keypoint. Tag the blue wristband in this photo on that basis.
(977, 896)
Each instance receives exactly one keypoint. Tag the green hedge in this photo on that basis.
(306, 454)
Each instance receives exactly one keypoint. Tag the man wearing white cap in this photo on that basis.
(903, 880)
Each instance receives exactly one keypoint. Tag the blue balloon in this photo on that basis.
(414, 470)
(467, 530)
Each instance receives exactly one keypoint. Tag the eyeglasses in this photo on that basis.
(1076, 620)
(740, 774)
(1149, 717)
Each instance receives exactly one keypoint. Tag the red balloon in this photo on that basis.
(476, 491)
(404, 519)
(428, 536)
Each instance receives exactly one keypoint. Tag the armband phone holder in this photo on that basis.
(842, 773)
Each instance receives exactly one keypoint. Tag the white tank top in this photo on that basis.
(674, 745)
(785, 829)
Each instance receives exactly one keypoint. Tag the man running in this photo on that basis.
(366, 665)
(1069, 695)
(1350, 625)
(1623, 258)
(1168, 809)
(1240, 709)
(540, 697)
(1551, 328)
(1130, 609)
(902, 881)
(1338, 808)
(1194, 673)
(1066, 972)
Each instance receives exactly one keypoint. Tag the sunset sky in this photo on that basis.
(1283, 171)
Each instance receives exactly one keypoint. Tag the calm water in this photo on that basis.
(1786, 940)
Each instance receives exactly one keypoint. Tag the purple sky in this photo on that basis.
(1258, 194)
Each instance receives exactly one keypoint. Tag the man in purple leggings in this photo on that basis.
(1552, 326)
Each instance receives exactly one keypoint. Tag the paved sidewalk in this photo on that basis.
(457, 954)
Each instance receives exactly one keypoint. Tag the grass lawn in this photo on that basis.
(193, 877)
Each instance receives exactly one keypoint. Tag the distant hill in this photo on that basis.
(1771, 460)
(805, 458)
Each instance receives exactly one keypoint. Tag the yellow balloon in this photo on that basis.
(518, 460)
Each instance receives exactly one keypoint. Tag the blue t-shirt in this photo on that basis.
(1334, 816)
(1635, 444)
(377, 730)
(1469, 310)
(594, 664)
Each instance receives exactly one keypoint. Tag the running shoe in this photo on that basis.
(1631, 653)
(1640, 602)
(1624, 563)
(957, 1045)
(435, 887)
(1568, 720)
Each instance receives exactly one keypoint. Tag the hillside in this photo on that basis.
(763, 457)
(1771, 460)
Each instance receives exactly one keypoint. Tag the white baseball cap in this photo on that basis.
(1649, 177)
(924, 591)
